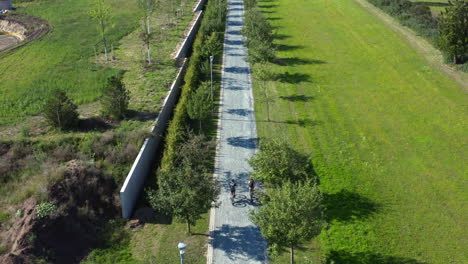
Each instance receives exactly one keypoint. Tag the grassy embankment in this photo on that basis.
(156, 241)
(387, 133)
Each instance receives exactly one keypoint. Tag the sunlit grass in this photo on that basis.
(387, 133)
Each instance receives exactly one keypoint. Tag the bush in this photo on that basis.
(259, 37)
(45, 209)
(115, 98)
(60, 111)
(413, 15)
(177, 129)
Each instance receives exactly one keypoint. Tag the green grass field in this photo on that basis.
(61, 59)
(387, 133)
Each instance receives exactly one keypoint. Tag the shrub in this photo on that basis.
(259, 37)
(199, 105)
(45, 209)
(60, 111)
(115, 98)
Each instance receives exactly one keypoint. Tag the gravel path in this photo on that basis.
(234, 238)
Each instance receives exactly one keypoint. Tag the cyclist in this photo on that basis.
(232, 186)
(251, 183)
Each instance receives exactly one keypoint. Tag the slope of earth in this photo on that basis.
(387, 133)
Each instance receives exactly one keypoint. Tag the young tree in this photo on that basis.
(115, 98)
(102, 14)
(199, 105)
(290, 215)
(148, 7)
(277, 162)
(453, 30)
(197, 151)
(60, 110)
(185, 192)
(263, 73)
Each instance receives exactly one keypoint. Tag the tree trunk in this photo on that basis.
(149, 53)
(199, 127)
(188, 226)
(292, 254)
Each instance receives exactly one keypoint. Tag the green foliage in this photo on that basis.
(4, 217)
(45, 209)
(176, 131)
(259, 36)
(277, 162)
(199, 106)
(184, 192)
(115, 246)
(291, 215)
(60, 111)
(249, 4)
(102, 14)
(453, 28)
(414, 15)
(115, 98)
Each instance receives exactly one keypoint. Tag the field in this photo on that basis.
(387, 133)
(65, 58)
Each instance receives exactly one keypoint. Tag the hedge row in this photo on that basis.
(213, 22)
(413, 15)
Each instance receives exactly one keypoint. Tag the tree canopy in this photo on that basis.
(291, 214)
(277, 162)
(453, 30)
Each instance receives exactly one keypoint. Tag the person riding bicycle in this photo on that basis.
(233, 186)
(251, 183)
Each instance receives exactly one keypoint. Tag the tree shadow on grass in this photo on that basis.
(284, 47)
(344, 257)
(141, 115)
(297, 98)
(293, 78)
(348, 206)
(95, 124)
(237, 241)
(297, 61)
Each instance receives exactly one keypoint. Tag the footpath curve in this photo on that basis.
(233, 237)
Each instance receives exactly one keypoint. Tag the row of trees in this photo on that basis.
(185, 187)
(292, 211)
(453, 31)
(61, 112)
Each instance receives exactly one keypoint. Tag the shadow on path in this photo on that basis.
(243, 142)
(243, 241)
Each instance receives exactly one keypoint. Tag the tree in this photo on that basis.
(115, 98)
(199, 105)
(185, 192)
(148, 7)
(277, 162)
(60, 110)
(453, 30)
(102, 14)
(263, 73)
(290, 215)
(197, 151)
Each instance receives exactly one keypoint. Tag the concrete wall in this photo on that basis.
(142, 165)
(199, 6)
(184, 48)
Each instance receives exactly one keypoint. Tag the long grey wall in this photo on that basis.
(135, 180)
(199, 6)
(184, 48)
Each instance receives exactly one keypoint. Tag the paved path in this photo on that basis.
(235, 239)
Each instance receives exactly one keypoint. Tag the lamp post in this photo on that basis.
(211, 71)
(182, 247)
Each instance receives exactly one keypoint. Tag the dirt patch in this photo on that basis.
(432, 55)
(22, 29)
(85, 201)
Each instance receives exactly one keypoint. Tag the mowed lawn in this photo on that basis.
(62, 59)
(386, 131)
